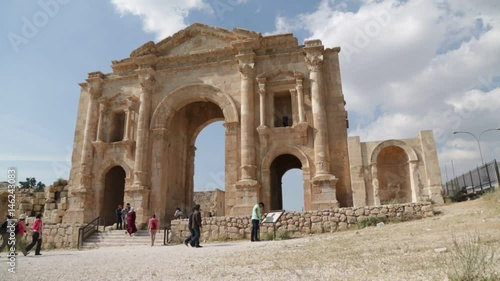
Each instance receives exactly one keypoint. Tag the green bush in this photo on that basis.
(269, 236)
(283, 235)
(370, 221)
(60, 182)
(470, 260)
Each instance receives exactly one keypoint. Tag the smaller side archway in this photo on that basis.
(393, 163)
(274, 165)
(113, 193)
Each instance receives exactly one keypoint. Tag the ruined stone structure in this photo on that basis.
(212, 203)
(282, 106)
(395, 171)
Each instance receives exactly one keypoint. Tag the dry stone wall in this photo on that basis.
(300, 223)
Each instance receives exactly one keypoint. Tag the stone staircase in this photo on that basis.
(109, 238)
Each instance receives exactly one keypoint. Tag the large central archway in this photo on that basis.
(176, 124)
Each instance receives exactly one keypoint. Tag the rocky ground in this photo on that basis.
(416, 250)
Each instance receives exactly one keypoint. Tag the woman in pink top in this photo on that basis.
(153, 228)
(37, 236)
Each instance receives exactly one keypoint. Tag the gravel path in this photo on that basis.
(402, 251)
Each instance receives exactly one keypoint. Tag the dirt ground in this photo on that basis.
(415, 250)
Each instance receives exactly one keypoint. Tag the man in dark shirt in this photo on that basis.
(196, 226)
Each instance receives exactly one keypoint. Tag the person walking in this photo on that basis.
(37, 237)
(197, 227)
(119, 219)
(256, 215)
(131, 228)
(5, 231)
(124, 216)
(21, 229)
(153, 228)
(190, 227)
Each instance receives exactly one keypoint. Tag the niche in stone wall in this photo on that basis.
(393, 175)
(116, 126)
(283, 109)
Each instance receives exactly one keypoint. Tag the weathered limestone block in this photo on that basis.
(342, 226)
(351, 220)
(359, 212)
(349, 212)
(317, 227)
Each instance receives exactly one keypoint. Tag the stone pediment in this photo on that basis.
(199, 38)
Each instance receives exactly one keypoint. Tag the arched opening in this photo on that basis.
(114, 191)
(178, 166)
(293, 190)
(393, 175)
(209, 170)
(279, 167)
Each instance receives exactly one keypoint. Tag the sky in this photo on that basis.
(406, 66)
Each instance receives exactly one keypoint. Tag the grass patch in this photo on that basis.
(268, 236)
(283, 235)
(470, 260)
(492, 199)
(370, 221)
(50, 246)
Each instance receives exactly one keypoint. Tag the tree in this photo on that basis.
(31, 183)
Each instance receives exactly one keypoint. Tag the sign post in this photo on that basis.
(273, 217)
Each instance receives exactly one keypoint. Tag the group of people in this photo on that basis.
(20, 228)
(125, 219)
(127, 215)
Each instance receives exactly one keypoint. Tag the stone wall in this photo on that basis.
(28, 201)
(300, 223)
(56, 235)
(56, 198)
(212, 203)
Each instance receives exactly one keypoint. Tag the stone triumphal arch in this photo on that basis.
(282, 106)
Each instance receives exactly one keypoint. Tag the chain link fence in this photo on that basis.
(474, 182)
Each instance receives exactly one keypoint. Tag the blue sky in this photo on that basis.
(406, 66)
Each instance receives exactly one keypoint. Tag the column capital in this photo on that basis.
(246, 64)
(314, 62)
(232, 127)
(293, 92)
(262, 86)
(132, 103)
(314, 54)
(247, 70)
(94, 84)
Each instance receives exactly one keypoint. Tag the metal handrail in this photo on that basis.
(89, 228)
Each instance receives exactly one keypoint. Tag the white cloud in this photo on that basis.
(163, 18)
(415, 65)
